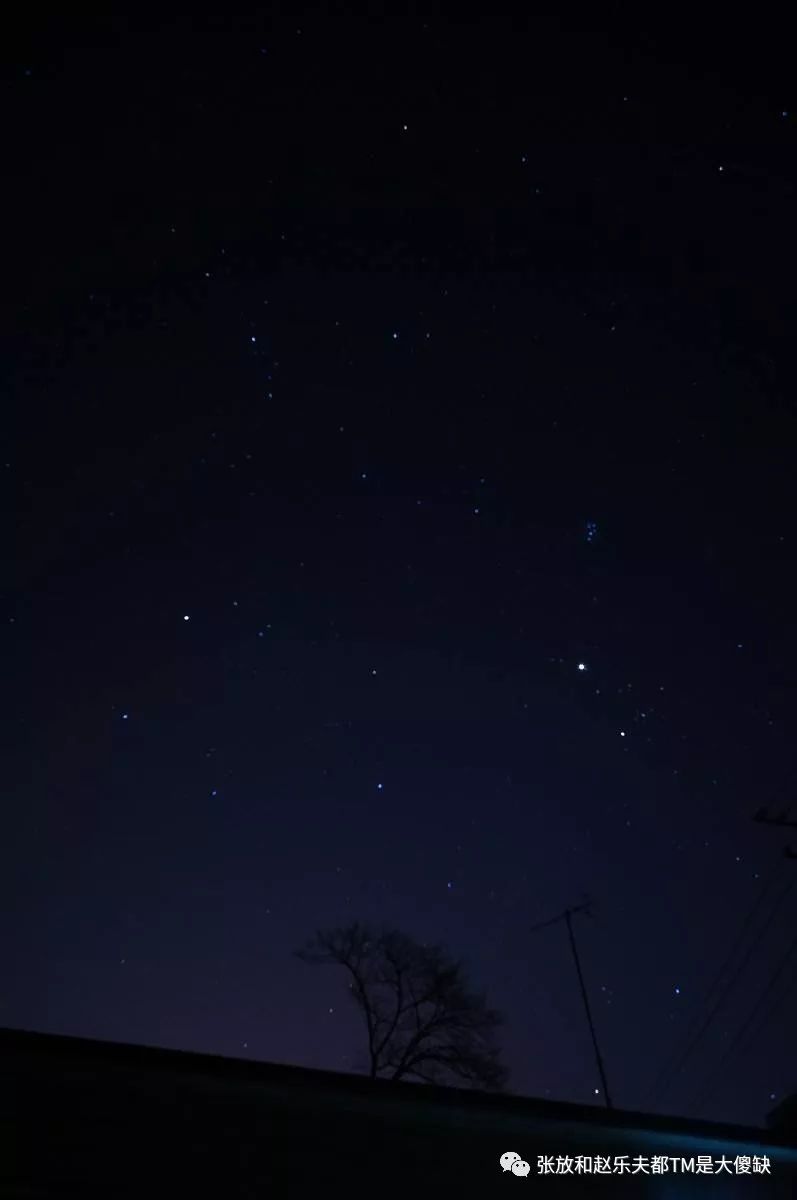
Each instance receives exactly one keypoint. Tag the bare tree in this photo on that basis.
(422, 1021)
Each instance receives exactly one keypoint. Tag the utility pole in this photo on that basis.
(567, 917)
(781, 821)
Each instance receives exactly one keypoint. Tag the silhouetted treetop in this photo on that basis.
(422, 1021)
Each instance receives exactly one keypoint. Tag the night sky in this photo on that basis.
(399, 447)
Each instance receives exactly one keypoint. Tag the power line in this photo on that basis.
(693, 1035)
(784, 995)
(670, 1067)
(707, 1089)
(781, 820)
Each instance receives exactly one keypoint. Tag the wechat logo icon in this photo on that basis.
(514, 1163)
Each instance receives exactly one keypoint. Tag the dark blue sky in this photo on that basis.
(366, 378)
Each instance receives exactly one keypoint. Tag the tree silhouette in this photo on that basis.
(422, 1021)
